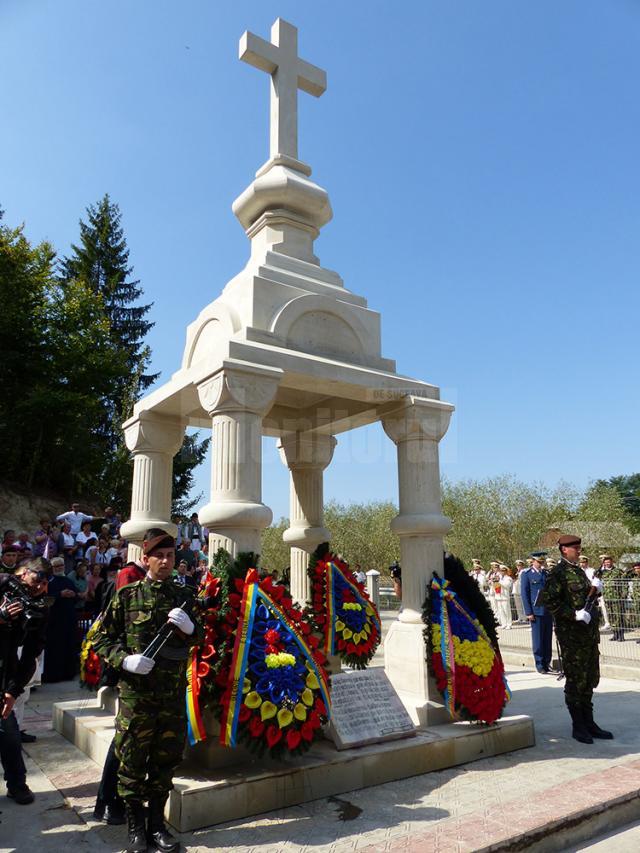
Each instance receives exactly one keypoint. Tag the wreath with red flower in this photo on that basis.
(90, 663)
(466, 664)
(269, 686)
(341, 610)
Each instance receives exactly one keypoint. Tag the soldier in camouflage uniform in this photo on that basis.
(566, 595)
(615, 592)
(151, 721)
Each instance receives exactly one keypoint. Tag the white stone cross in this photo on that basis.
(279, 58)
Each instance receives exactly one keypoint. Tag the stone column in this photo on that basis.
(306, 455)
(237, 400)
(153, 440)
(416, 428)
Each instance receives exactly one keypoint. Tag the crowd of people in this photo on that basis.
(619, 604)
(82, 556)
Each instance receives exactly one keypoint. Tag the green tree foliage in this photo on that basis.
(275, 553)
(101, 261)
(362, 534)
(608, 522)
(628, 487)
(26, 276)
(74, 364)
(501, 518)
(186, 460)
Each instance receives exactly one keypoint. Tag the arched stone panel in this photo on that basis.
(217, 324)
(324, 326)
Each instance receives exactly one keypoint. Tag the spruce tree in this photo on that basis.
(101, 261)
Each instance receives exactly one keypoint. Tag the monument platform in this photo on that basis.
(206, 797)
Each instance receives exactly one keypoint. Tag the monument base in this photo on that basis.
(406, 667)
(205, 797)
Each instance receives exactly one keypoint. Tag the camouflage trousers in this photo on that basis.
(581, 664)
(149, 741)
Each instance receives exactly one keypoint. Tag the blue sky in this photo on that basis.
(482, 163)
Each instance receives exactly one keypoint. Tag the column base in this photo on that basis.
(406, 667)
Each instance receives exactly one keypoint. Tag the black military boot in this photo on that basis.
(136, 827)
(158, 832)
(592, 727)
(580, 731)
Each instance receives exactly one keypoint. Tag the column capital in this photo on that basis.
(148, 432)
(306, 450)
(244, 388)
(418, 418)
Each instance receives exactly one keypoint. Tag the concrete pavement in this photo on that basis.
(482, 806)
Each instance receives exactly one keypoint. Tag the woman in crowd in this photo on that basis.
(83, 539)
(502, 591)
(94, 580)
(81, 583)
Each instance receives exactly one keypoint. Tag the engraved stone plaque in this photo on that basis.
(366, 709)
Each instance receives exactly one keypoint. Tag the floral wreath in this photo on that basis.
(468, 669)
(341, 610)
(90, 662)
(268, 685)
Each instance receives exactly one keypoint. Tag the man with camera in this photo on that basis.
(23, 617)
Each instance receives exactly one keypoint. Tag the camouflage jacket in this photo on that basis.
(615, 583)
(566, 591)
(134, 617)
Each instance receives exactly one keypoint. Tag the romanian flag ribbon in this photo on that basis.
(252, 596)
(229, 723)
(446, 646)
(195, 726)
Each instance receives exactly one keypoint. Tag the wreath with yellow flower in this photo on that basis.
(90, 663)
(341, 610)
(465, 662)
(271, 688)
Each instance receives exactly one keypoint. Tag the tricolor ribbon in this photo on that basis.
(195, 725)
(252, 595)
(446, 646)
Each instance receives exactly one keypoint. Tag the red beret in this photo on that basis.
(569, 540)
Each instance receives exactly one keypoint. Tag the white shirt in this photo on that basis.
(75, 519)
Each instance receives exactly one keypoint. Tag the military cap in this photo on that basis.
(476, 561)
(606, 557)
(568, 540)
(520, 562)
(494, 563)
(537, 559)
(539, 554)
(160, 541)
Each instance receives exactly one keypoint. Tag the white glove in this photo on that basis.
(583, 616)
(181, 620)
(596, 583)
(138, 664)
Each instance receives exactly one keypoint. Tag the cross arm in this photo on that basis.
(258, 52)
(311, 79)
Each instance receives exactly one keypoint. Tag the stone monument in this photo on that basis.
(287, 351)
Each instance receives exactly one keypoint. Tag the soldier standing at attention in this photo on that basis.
(151, 721)
(566, 595)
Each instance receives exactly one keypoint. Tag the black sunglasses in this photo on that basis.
(39, 573)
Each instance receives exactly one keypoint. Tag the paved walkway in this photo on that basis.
(462, 809)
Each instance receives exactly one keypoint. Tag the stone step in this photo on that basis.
(206, 797)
